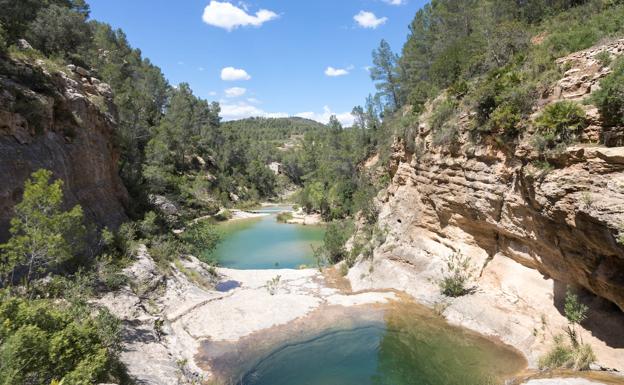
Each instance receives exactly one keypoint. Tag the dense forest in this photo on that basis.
(490, 56)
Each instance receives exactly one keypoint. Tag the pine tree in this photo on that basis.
(43, 235)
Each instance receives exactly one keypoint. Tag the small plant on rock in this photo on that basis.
(587, 199)
(604, 58)
(456, 275)
(273, 284)
(576, 313)
(575, 355)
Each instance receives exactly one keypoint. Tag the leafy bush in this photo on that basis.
(575, 355)
(200, 239)
(559, 124)
(442, 113)
(604, 58)
(562, 119)
(42, 341)
(43, 235)
(333, 248)
(575, 312)
(443, 126)
(502, 100)
(3, 42)
(505, 119)
(610, 97)
(284, 217)
(558, 356)
(224, 215)
(165, 248)
(59, 30)
(456, 274)
(150, 225)
(564, 356)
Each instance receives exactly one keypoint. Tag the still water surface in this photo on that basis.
(263, 243)
(412, 347)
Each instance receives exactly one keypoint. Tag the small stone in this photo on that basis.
(82, 72)
(23, 45)
(71, 67)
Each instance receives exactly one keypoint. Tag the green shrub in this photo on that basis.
(3, 43)
(43, 235)
(200, 239)
(559, 123)
(126, 239)
(224, 215)
(505, 119)
(575, 312)
(563, 119)
(284, 217)
(610, 97)
(165, 248)
(42, 341)
(564, 356)
(604, 58)
(575, 355)
(333, 248)
(558, 356)
(442, 112)
(456, 275)
(150, 226)
(458, 89)
(443, 127)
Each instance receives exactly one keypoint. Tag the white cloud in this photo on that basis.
(242, 110)
(395, 2)
(201, 69)
(232, 74)
(253, 100)
(227, 16)
(212, 93)
(235, 92)
(369, 20)
(333, 72)
(345, 118)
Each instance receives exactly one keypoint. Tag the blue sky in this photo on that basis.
(283, 47)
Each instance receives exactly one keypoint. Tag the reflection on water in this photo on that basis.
(411, 348)
(263, 243)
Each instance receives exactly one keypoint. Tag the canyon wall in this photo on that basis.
(562, 221)
(61, 119)
(529, 230)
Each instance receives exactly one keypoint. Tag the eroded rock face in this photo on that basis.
(563, 222)
(59, 120)
(529, 231)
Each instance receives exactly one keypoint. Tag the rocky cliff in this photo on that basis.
(62, 119)
(529, 231)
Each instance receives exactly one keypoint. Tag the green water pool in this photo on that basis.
(406, 349)
(263, 243)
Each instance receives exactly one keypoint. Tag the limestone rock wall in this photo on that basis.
(493, 199)
(61, 119)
